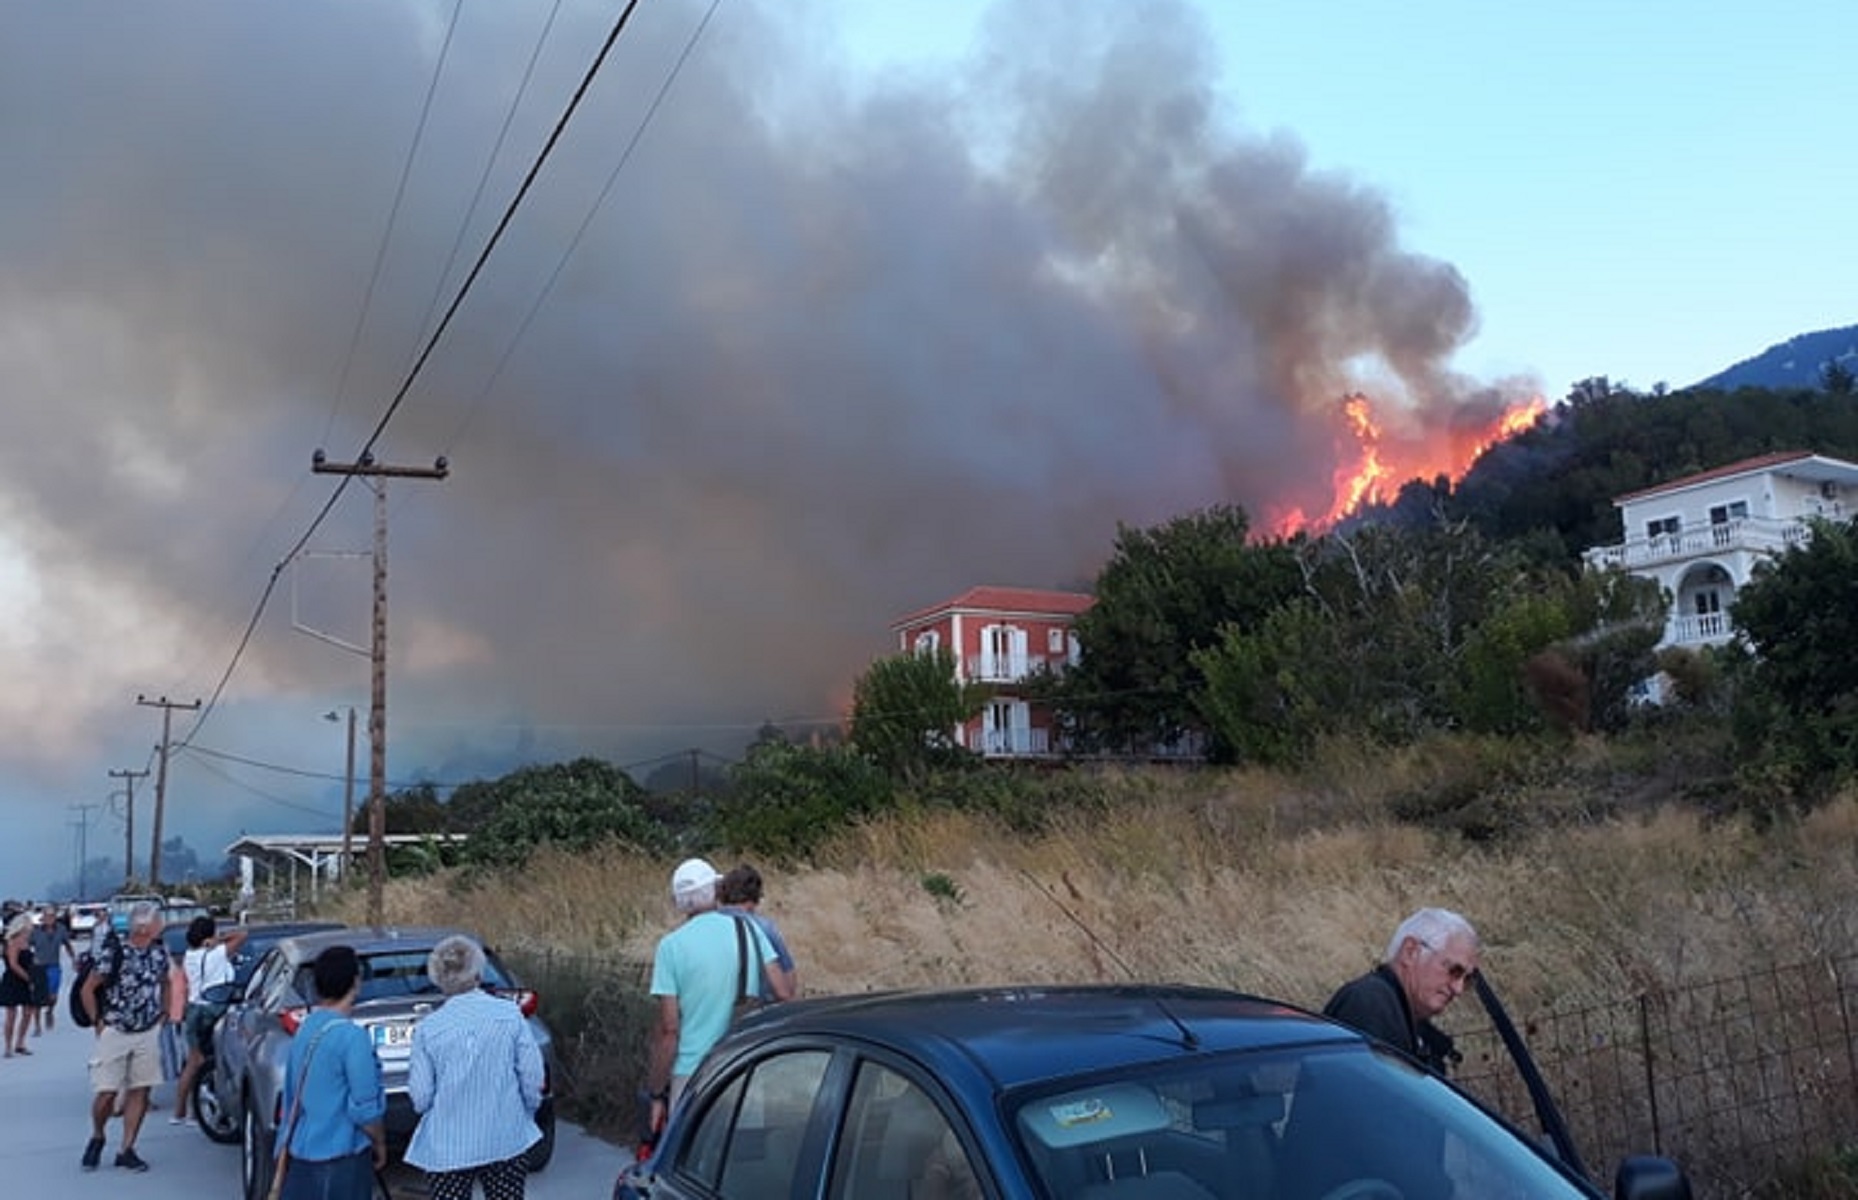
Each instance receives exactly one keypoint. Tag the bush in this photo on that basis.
(601, 1014)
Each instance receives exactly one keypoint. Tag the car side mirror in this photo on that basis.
(1644, 1177)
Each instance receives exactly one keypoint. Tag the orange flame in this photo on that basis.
(1371, 466)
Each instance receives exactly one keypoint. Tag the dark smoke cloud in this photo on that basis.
(831, 349)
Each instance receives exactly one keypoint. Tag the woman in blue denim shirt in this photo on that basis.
(337, 1139)
(476, 1078)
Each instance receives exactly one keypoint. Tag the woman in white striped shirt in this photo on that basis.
(475, 1077)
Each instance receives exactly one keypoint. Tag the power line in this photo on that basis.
(393, 217)
(419, 363)
(554, 276)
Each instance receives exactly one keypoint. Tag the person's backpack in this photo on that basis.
(86, 962)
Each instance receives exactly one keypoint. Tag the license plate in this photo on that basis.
(393, 1034)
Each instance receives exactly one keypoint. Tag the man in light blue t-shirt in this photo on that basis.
(697, 973)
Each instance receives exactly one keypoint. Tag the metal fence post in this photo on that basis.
(1651, 1076)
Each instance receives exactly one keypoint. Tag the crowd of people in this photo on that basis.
(38, 944)
(475, 1071)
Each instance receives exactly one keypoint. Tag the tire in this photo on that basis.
(255, 1155)
(537, 1157)
(218, 1124)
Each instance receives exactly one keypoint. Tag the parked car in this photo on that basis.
(1087, 1093)
(85, 915)
(123, 903)
(218, 1123)
(252, 1041)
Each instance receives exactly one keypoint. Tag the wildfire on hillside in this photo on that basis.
(1372, 463)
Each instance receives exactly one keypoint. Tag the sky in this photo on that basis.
(817, 313)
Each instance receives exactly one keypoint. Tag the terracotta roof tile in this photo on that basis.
(1758, 463)
(1003, 599)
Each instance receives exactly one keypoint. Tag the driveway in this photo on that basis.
(45, 1099)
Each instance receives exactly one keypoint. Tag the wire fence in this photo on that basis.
(1749, 1082)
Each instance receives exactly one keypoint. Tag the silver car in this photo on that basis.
(252, 1042)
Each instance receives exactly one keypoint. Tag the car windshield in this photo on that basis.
(394, 973)
(1342, 1121)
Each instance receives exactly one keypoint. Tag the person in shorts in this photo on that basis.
(51, 946)
(207, 963)
(127, 999)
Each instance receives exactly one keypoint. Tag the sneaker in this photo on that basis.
(129, 1160)
(174, 1120)
(93, 1153)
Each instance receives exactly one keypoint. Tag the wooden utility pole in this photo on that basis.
(167, 708)
(377, 475)
(129, 778)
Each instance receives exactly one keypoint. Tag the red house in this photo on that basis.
(998, 637)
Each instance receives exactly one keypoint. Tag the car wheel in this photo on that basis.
(536, 1158)
(255, 1155)
(218, 1124)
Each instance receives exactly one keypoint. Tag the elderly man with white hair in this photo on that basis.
(1429, 962)
(475, 1076)
(126, 998)
(698, 971)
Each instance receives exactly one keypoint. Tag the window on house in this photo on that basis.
(1722, 514)
(1708, 603)
(1662, 525)
(928, 641)
(1054, 641)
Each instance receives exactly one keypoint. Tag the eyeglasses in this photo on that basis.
(1456, 971)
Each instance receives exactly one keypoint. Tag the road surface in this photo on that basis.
(44, 1122)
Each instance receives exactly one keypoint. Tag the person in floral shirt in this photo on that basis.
(126, 995)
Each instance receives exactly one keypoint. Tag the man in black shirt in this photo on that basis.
(1428, 963)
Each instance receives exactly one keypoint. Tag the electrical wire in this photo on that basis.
(554, 276)
(413, 373)
(393, 219)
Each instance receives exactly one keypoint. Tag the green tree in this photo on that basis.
(1166, 593)
(786, 800)
(1837, 378)
(905, 711)
(1800, 617)
(576, 806)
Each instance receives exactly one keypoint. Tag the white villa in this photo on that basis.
(1701, 536)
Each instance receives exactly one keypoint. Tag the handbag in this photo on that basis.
(290, 1125)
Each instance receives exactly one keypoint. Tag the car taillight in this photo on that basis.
(291, 1019)
(527, 999)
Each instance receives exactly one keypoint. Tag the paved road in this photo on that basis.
(44, 1105)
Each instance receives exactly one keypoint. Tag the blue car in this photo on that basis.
(1086, 1093)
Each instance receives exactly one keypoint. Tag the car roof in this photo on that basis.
(376, 940)
(1020, 1035)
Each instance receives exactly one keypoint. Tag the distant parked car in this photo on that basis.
(123, 903)
(86, 914)
(252, 1041)
(1087, 1093)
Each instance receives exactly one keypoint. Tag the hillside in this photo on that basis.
(1794, 363)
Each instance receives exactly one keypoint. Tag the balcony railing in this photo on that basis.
(1003, 668)
(1015, 742)
(1700, 629)
(1758, 535)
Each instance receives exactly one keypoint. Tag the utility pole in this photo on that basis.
(129, 778)
(83, 842)
(167, 708)
(377, 475)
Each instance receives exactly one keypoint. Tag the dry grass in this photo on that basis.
(1247, 879)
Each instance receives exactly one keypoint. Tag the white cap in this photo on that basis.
(693, 884)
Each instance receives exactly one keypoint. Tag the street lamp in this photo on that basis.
(348, 790)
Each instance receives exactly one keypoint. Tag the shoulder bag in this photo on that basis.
(748, 982)
(290, 1125)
